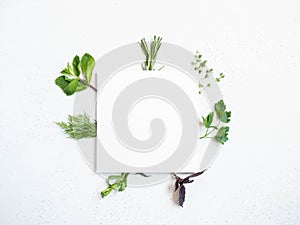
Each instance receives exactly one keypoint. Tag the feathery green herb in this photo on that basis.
(200, 66)
(79, 126)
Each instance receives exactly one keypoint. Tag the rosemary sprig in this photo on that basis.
(151, 53)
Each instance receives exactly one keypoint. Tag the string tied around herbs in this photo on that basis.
(179, 184)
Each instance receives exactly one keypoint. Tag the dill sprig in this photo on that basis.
(79, 126)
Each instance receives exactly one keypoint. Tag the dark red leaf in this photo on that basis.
(181, 195)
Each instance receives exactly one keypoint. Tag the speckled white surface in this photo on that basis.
(256, 178)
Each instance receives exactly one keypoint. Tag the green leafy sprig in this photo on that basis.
(115, 182)
(223, 116)
(150, 52)
(77, 77)
(200, 66)
(79, 127)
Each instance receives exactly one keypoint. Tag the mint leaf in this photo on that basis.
(75, 65)
(68, 70)
(68, 86)
(81, 87)
(222, 135)
(62, 82)
(223, 115)
(87, 65)
(71, 87)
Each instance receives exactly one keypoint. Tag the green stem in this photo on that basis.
(209, 132)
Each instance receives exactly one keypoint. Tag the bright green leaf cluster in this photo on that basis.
(115, 182)
(118, 183)
(70, 80)
(79, 126)
(223, 116)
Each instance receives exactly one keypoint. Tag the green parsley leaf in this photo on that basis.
(222, 135)
(223, 115)
(208, 120)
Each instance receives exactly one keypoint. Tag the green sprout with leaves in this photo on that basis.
(115, 182)
(223, 116)
(200, 66)
(77, 77)
(150, 52)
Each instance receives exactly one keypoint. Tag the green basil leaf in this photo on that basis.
(87, 64)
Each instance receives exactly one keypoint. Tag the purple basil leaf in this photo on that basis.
(181, 195)
(176, 185)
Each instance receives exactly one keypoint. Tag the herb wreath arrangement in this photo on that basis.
(77, 77)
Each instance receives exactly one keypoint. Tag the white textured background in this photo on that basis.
(256, 178)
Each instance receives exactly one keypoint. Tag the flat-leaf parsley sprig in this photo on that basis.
(223, 116)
